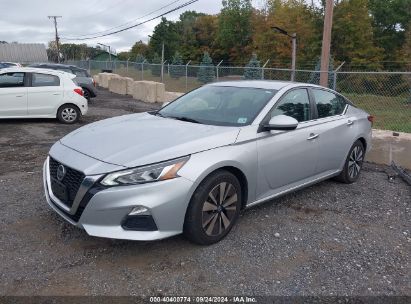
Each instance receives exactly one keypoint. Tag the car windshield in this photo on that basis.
(219, 105)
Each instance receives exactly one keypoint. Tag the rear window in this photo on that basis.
(328, 103)
(45, 80)
(81, 73)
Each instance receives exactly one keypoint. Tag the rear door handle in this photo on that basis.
(350, 122)
(19, 95)
(313, 136)
(56, 94)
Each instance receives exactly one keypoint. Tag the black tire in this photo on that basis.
(353, 164)
(68, 114)
(206, 208)
(87, 94)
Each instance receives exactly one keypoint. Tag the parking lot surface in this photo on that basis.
(328, 239)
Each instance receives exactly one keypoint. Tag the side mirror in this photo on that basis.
(281, 122)
(164, 104)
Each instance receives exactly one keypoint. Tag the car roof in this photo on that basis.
(58, 65)
(34, 70)
(261, 84)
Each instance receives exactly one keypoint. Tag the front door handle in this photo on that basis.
(313, 136)
(350, 122)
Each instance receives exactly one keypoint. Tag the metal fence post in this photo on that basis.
(127, 65)
(218, 65)
(262, 69)
(187, 74)
(142, 69)
(335, 75)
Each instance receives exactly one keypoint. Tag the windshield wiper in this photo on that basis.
(157, 113)
(184, 118)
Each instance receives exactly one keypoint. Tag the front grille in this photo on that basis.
(83, 204)
(72, 181)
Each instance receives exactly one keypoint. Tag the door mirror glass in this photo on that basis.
(281, 122)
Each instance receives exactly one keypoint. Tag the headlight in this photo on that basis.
(146, 174)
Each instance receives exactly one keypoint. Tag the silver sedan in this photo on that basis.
(192, 166)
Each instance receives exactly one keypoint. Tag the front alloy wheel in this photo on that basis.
(213, 209)
(219, 209)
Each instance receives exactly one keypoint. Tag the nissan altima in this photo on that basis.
(193, 165)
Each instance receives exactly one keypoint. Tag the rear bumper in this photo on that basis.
(106, 209)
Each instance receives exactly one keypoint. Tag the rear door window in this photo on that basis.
(328, 103)
(45, 80)
(12, 80)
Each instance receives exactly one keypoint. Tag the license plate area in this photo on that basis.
(60, 191)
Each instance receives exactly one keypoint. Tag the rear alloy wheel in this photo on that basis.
(214, 208)
(68, 114)
(353, 164)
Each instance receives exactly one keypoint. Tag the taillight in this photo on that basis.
(79, 91)
(370, 119)
(94, 83)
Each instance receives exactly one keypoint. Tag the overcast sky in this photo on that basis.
(26, 21)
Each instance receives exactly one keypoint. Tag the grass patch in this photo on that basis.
(391, 113)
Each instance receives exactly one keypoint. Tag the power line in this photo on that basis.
(57, 36)
(131, 21)
(138, 24)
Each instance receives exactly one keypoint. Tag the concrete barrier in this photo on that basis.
(387, 148)
(148, 91)
(96, 79)
(170, 96)
(104, 78)
(129, 83)
(117, 85)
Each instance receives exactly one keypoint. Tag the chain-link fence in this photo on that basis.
(385, 95)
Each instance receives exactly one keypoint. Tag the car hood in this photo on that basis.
(140, 139)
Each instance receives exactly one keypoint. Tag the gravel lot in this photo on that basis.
(329, 239)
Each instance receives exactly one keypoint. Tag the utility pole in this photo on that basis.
(294, 55)
(57, 36)
(325, 52)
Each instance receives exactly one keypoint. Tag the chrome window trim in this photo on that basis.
(86, 184)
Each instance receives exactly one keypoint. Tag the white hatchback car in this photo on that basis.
(40, 93)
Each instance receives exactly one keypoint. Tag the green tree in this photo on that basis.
(253, 70)
(156, 65)
(177, 68)
(295, 16)
(189, 46)
(234, 29)
(167, 32)
(206, 73)
(391, 20)
(352, 35)
(139, 48)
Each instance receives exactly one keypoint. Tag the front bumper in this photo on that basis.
(101, 212)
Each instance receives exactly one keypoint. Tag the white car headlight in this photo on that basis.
(146, 174)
